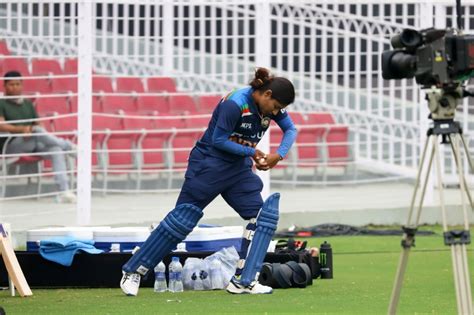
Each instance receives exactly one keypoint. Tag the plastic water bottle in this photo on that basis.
(176, 275)
(160, 278)
(216, 274)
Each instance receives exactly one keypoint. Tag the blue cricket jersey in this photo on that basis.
(237, 117)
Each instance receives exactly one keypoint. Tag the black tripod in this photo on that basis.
(450, 132)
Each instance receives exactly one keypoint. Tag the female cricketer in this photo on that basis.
(221, 163)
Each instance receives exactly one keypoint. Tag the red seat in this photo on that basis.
(15, 64)
(70, 66)
(45, 66)
(115, 103)
(182, 104)
(333, 137)
(128, 84)
(33, 86)
(207, 103)
(120, 143)
(197, 122)
(49, 105)
(96, 104)
(60, 85)
(68, 123)
(153, 104)
(161, 84)
(153, 144)
(4, 48)
(320, 118)
(103, 84)
(338, 146)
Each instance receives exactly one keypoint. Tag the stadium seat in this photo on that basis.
(102, 84)
(197, 122)
(45, 66)
(128, 84)
(70, 66)
(335, 137)
(46, 106)
(96, 104)
(33, 86)
(182, 104)
(7, 162)
(115, 103)
(161, 84)
(61, 85)
(149, 104)
(4, 49)
(160, 139)
(338, 146)
(15, 64)
(207, 103)
(68, 123)
(117, 156)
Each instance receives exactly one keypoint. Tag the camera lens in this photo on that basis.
(397, 64)
(408, 38)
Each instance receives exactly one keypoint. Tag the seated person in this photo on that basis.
(21, 109)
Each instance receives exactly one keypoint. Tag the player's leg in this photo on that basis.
(199, 189)
(172, 230)
(263, 217)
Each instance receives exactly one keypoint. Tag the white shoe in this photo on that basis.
(130, 283)
(66, 197)
(235, 287)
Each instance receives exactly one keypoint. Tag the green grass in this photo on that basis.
(364, 269)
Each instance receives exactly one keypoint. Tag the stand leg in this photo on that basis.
(410, 230)
(458, 244)
(463, 179)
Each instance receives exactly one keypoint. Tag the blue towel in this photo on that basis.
(62, 249)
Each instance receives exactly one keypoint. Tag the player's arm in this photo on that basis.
(229, 116)
(289, 136)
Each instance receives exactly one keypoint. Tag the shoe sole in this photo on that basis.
(245, 292)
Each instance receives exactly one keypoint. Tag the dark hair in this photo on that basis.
(282, 88)
(11, 75)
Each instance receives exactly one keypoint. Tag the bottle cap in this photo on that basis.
(325, 245)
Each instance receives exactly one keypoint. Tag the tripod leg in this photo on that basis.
(409, 231)
(458, 241)
(466, 149)
(463, 179)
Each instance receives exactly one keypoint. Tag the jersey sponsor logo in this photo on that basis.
(246, 126)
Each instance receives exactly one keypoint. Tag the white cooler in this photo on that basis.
(122, 239)
(33, 237)
(214, 238)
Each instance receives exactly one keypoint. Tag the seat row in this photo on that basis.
(140, 104)
(125, 145)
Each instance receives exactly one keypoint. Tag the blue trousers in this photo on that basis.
(207, 177)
